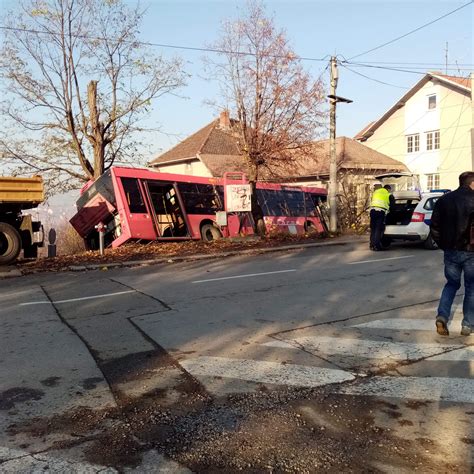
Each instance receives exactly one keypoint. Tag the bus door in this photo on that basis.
(135, 214)
(168, 214)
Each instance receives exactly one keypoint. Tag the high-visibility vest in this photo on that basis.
(381, 199)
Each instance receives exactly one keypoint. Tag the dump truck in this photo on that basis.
(18, 231)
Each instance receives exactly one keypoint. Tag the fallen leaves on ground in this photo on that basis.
(161, 250)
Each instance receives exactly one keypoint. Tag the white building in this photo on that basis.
(430, 130)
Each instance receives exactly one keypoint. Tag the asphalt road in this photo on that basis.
(356, 322)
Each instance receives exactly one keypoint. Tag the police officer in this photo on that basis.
(379, 207)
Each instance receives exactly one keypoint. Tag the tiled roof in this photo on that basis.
(217, 147)
(219, 164)
(211, 139)
(350, 154)
(218, 150)
(461, 81)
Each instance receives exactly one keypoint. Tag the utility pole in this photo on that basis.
(446, 57)
(333, 100)
(332, 148)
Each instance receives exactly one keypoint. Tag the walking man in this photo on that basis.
(379, 207)
(451, 229)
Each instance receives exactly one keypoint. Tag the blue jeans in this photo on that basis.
(456, 262)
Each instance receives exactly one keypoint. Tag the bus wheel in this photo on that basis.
(10, 243)
(310, 228)
(210, 233)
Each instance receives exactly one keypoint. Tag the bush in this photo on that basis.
(69, 242)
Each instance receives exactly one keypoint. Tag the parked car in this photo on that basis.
(409, 218)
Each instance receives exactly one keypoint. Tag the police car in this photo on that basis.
(409, 218)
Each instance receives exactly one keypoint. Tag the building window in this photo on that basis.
(413, 143)
(431, 102)
(432, 140)
(433, 181)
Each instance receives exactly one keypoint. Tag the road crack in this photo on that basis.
(164, 304)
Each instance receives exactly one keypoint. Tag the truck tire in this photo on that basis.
(10, 243)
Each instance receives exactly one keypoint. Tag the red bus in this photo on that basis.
(143, 205)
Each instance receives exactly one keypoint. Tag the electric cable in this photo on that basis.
(160, 45)
(413, 70)
(412, 31)
(373, 79)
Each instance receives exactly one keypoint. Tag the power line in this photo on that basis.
(159, 45)
(396, 69)
(412, 31)
(401, 63)
(414, 70)
(373, 79)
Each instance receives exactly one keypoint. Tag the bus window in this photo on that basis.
(200, 198)
(133, 196)
(274, 203)
(294, 203)
(309, 205)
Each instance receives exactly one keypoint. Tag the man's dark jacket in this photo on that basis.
(452, 218)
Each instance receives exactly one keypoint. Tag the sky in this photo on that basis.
(316, 29)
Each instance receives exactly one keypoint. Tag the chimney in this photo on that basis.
(224, 120)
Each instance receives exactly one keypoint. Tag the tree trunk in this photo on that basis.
(257, 212)
(97, 130)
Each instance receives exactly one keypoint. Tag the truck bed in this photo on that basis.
(24, 193)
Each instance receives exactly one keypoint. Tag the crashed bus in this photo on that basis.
(133, 204)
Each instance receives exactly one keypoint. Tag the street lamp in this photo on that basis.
(333, 100)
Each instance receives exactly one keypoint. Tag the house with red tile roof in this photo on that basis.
(429, 129)
(215, 149)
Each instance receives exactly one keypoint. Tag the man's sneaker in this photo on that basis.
(466, 331)
(442, 326)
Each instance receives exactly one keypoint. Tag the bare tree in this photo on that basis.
(353, 199)
(78, 84)
(278, 105)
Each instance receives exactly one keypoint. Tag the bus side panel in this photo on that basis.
(194, 221)
(292, 225)
(236, 227)
(317, 224)
(138, 225)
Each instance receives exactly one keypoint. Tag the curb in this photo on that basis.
(10, 272)
(156, 261)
